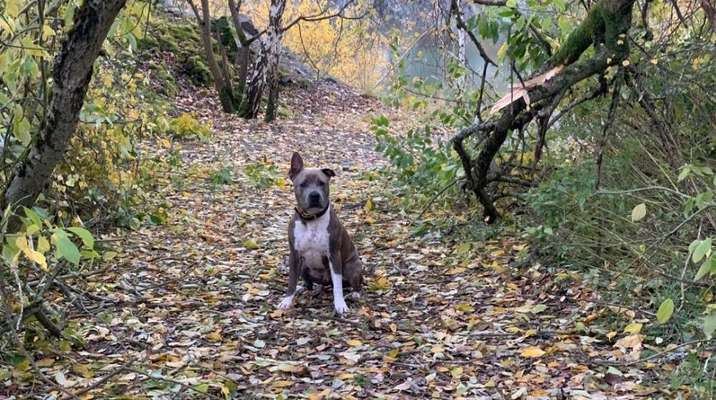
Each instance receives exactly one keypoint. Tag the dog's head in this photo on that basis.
(310, 185)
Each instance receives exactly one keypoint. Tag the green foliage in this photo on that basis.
(186, 126)
(223, 176)
(38, 249)
(421, 162)
(264, 174)
(650, 224)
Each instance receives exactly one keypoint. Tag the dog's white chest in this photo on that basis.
(311, 238)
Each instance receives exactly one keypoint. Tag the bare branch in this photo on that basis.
(322, 15)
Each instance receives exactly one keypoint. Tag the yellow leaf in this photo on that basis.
(437, 349)
(282, 384)
(611, 335)
(45, 362)
(464, 307)
(34, 256)
(12, 8)
(633, 328)
(368, 205)
(214, 336)
(456, 372)
(47, 31)
(354, 342)
(391, 356)
(250, 244)
(82, 370)
(638, 213)
(532, 352)
(380, 283)
(456, 270)
(43, 245)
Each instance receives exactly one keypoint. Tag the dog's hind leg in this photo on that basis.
(354, 276)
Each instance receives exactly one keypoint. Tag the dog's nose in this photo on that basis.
(314, 198)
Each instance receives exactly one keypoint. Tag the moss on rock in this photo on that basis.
(181, 38)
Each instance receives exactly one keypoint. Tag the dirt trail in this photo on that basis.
(188, 302)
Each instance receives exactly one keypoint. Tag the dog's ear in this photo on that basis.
(329, 172)
(296, 165)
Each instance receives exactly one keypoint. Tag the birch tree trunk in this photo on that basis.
(274, 45)
(265, 71)
(72, 73)
(461, 53)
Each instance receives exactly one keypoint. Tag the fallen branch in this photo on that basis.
(102, 380)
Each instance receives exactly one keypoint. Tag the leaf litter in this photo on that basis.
(186, 309)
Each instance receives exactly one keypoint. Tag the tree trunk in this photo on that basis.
(72, 73)
(274, 45)
(222, 82)
(243, 53)
(265, 70)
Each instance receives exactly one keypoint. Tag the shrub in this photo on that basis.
(186, 126)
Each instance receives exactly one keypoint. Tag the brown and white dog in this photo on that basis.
(321, 251)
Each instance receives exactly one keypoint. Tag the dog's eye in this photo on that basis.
(320, 183)
(304, 184)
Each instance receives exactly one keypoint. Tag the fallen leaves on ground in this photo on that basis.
(187, 308)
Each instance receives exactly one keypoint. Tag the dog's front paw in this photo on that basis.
(340, 306)
(285, 303)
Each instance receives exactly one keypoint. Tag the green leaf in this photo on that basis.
(684, 173)
(83, 234)
(708, 267)
(666, 309)
(701, 250)
(69, 16)
(33, 216)
(710, 325)
(638, 213)
(65, 248)
(250, 244)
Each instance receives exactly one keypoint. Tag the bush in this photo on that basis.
(186, 126)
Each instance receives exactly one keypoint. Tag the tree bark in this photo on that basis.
(265, 71)
(274, 46)
(243, 54)
(72, 73)
(222, 82)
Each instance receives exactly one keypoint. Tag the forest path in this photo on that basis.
(193, 300)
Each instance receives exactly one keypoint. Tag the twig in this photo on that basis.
(605, 131)
(641, 189)
(684, 222)
(429, 203)
(103, 380)
(461, 24)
